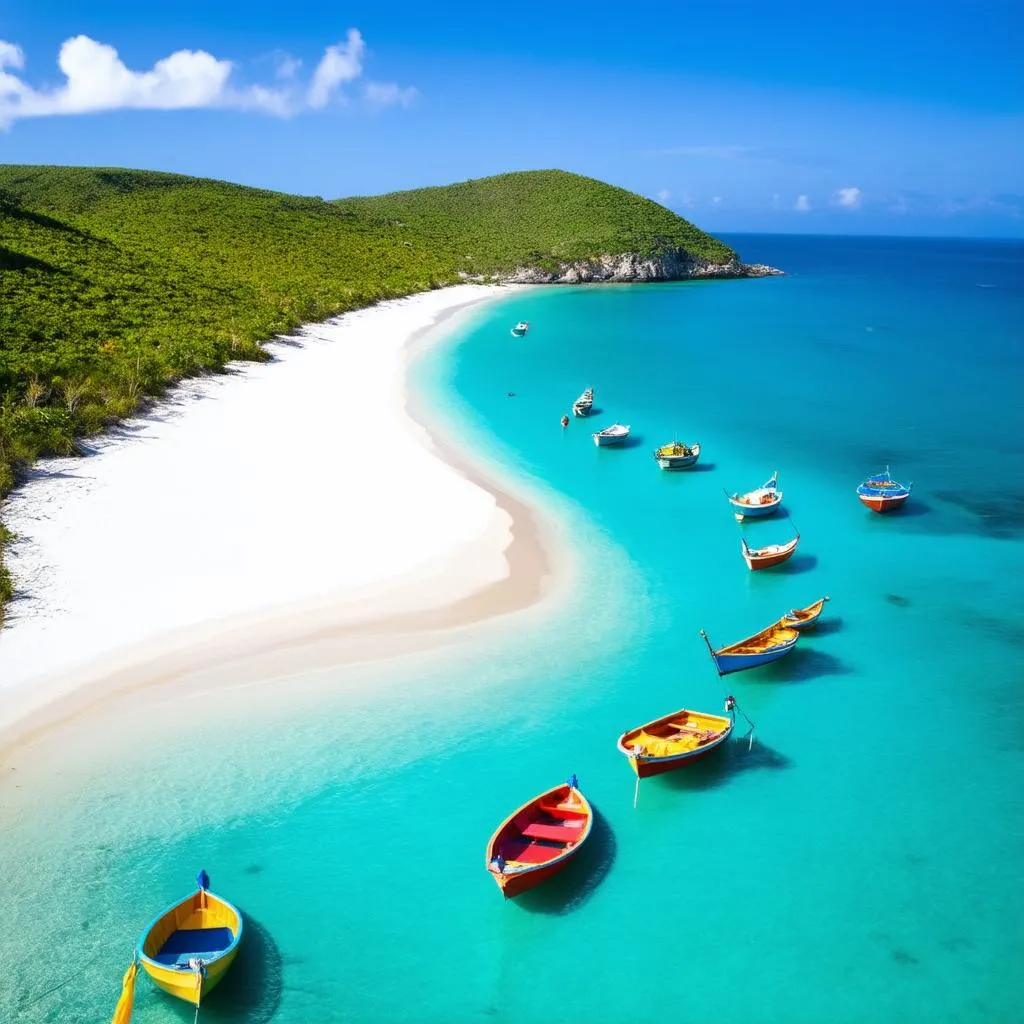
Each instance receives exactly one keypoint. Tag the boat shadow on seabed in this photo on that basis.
(735, 756)
(571, 888)
(251, 991)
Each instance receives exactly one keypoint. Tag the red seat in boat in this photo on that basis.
(529, 853)
(555, 833)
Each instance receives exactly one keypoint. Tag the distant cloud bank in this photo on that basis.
(96, 79)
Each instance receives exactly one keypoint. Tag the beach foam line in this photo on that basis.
(287, 500)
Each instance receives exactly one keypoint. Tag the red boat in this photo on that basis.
(539, 839)
(883, 494)
(771, 554)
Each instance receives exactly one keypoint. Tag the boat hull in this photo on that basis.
(539, 839)
(182, 984)
(804, 618)
(646, 766)
(883, 504)
(739, 662)
(511, 885)
(607, 441)
(582, 411)
(744, 511)
(201, 915)
(767, 561)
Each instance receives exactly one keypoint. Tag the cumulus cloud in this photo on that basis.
(388, 94)
(802, 204)
(716, 200)
(340, 64)
(97, 79)
(848, 197)
(664, 195)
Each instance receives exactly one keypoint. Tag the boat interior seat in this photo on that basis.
(189, 942)
(556, 833)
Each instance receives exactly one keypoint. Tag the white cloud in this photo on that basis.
(686, 201)
(848, 197)
(287, 66)
(802, 204)
(340, 63)
(776, 201)
(664, 195)
(388, 94)
(96, 79)
(716, 200)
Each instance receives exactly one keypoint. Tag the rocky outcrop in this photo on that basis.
(674, 265)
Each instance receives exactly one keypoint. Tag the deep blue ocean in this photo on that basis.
(860, 859)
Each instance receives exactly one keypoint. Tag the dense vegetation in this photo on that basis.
(115, 284)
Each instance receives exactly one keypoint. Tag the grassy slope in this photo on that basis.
(114, 283)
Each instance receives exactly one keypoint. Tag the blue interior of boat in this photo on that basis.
(189, 942)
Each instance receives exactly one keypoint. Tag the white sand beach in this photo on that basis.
(289, 498)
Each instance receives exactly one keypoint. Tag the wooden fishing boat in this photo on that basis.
(762, 501)
(677, 455)
(768, 645)
(188, 949)
(804, 618)
(670, 742)
(520, 328)
(584, 404)
(539, 839)
(883, 494)
(769, 555)
(615, 434)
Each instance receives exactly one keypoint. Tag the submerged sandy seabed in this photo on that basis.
(284, 517)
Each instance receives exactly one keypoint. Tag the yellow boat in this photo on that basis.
(188, 949)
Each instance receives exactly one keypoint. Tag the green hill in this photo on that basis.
(115, 284)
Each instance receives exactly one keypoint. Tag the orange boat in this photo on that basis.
(539, 839)
(804, 618)
(670, 742)
(771, 554)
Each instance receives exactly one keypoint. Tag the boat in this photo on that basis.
(762, 501)
(769, 555)
(676, 739)
(677, 455)
(188, 948)
(883, 494)
(804, 618)
(615, 434)
(768, 645)
(584, 404)
(539, 839)
(521, 328)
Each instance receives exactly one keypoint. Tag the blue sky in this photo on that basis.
(892, 118)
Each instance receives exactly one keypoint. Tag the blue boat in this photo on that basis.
(883, 494)
(768, 645)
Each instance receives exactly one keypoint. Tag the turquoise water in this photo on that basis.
(861, 859)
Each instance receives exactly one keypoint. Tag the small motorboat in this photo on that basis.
(769, 555)
(670, 742)
(883, 494)
(584, 405)
(615, 434)
(539, 839)
(565, 421)
(188, 949)
(768, 645)
(677, 455)
(520, 328)
(804, 618)
(762, 501)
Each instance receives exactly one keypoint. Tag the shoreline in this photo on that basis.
(501, 562)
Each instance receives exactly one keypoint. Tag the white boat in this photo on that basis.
(521, 328)
(584, 404)
(615, 434)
